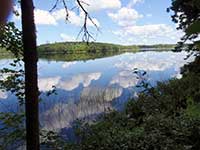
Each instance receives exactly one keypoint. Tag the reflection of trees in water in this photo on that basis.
(92, 101)
(82, 56)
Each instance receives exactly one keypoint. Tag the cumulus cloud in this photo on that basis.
(150, 62)
(66, 37)
(134, 2)
(148, 30)
(153, 61)
(68, 64)
(129, 32)
(96, 5)
(149, 15)
(3, 95)
(125, 79)
(74, 18)
(85, 79)
(125, 16)
(44, 17)
(149, 34)
(45, 84)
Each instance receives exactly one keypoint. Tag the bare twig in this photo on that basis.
(86, 34)
(66, 10)
(84, 29)
(54, 6)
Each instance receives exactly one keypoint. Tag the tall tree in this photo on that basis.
(6, 6)
(186, 13)
(30, 65)
(31, 77)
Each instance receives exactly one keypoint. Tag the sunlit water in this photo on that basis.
(87, 88)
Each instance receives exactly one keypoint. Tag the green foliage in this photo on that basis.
(159, 47)
(193, 109)
(187, 16)
(12, 124)
(12, 130)
(11, 43)
(194, 28)
(13, 80)
(51, 140)
(11, 39)
(197, 43)
(81, 47)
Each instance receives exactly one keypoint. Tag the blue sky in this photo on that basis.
(120, 21)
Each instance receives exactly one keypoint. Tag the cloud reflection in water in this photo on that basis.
(99, 85)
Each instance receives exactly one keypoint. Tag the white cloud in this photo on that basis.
(150, 62)
(125, 16)
(85, 79)
(74, 19)
(66, 37)
(68, 64)
(61, 15)
(43, 17)
(134, 2)
(146, 30)
(149, 15)
(96, 5)
(3, 95)
(45, 84)
(153, 61)
(149, 34)
(125, 79)
(130, 32)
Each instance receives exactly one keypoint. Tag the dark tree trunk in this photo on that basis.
(31, 79)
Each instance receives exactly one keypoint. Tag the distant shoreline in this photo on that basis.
(74, 47)
(90, 50)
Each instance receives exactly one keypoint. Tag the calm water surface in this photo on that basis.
(87, 88)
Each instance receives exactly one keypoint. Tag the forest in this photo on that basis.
(75, 47)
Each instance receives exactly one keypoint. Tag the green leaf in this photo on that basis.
(197, 43)
(193, 28)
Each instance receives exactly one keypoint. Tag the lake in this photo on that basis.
(84, 89)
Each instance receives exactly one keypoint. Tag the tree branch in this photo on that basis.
(84, 29)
